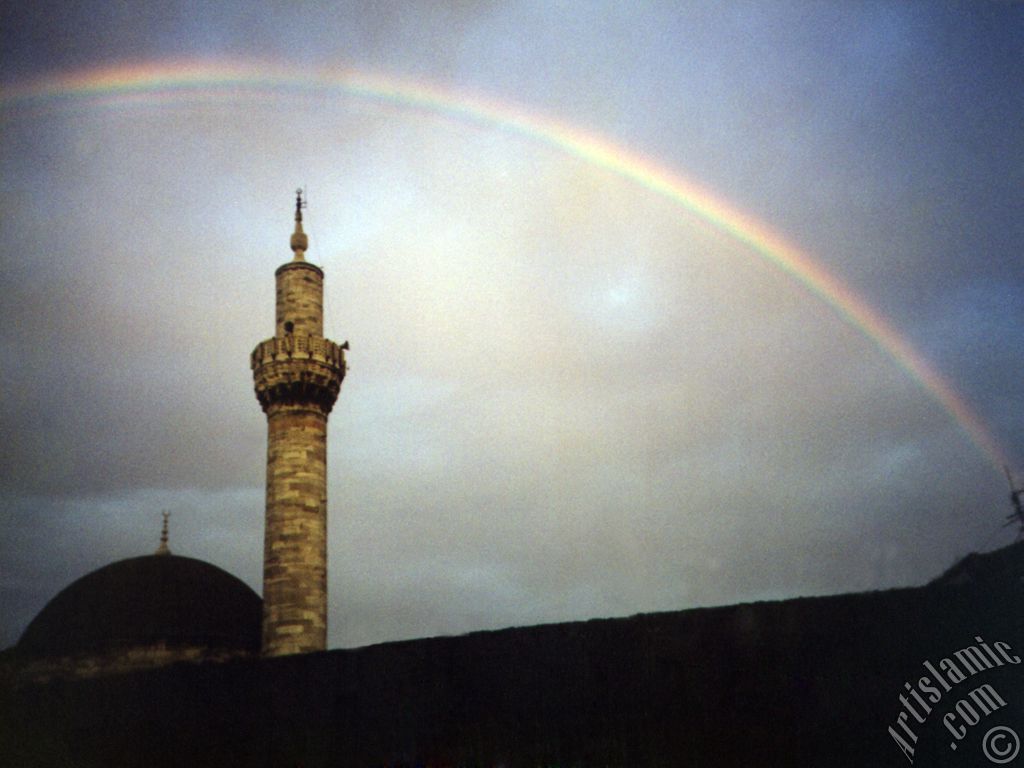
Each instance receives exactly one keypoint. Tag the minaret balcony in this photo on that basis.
(289, 347)
(300, 371)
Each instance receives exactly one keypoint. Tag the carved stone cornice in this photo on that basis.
(298, 370)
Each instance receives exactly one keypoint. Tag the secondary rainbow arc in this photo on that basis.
(180, 79)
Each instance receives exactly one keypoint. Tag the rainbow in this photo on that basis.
(182, 80)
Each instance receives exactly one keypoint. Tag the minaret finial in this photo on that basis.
(163, 548)
(299, 240)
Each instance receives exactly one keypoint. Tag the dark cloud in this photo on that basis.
(568, 396)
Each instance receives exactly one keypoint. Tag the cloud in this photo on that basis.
(567, 397)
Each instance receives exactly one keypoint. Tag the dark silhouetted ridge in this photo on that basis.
(803, 682)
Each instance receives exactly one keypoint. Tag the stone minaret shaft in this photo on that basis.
(298, 375)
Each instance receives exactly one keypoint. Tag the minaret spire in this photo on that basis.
(299, 240)
(163, 549)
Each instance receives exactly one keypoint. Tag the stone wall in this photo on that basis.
(300, 290)
(22, 670)
(295, 539)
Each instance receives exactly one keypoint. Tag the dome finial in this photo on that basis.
(163, 548)
(299, 240)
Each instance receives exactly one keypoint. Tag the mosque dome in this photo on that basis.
(185, 607)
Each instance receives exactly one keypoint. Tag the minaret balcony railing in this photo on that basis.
(294, 347)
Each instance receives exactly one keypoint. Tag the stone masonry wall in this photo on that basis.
(295, 540)
(115, 662)
(300, 290)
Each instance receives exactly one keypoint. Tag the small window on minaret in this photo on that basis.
(289, 327)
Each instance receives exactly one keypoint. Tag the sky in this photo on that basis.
(651, 305)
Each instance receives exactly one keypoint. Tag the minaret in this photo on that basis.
(298, 375)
